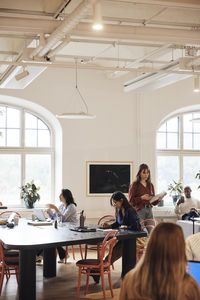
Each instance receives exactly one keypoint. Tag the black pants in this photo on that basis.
(61, 252)
(117, 252)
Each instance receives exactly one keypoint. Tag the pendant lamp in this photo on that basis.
(82, 114)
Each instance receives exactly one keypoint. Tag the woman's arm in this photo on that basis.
(52, 211)
(131, 220)
(68, 214)
(136, 197)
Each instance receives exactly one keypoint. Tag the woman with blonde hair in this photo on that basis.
(161, 274)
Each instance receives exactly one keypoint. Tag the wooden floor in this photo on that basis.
(63, 287)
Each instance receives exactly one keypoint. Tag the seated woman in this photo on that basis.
(161, 273)
(66, 212)
(126, 217)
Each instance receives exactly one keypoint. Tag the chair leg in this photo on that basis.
(79, 284)
(110, 284)
(98, 251)
(17, 275)
(85, 251)
(81, 251)
(73, 253)
(103, 284)
(66, 254)
(87, 282)
(1, 278)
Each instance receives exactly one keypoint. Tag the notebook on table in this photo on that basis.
(39, 223)
(194, 270)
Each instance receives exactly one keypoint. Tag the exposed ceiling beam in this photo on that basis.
(121, 59)
(98, 67)
(140, 33)
(9, 52)
(7, 12)
(28, 25)
(123, 32)
(167, 3)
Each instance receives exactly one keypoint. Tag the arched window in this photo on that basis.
(26, 153)
(178, 152)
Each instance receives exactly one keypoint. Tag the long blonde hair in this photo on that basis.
(161, 273)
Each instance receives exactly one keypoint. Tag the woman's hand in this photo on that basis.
(106, 225)
(146, 197)
(52, 206)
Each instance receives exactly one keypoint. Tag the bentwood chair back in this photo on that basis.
(98, 266)
(146, 224)
(97, 246)
(7, 213)
(9, 265)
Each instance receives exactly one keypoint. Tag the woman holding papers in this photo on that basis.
(161, 274)
(141, 193)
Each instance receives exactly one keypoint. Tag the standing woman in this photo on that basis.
(66, 212)
(140, 193)
(161, 273)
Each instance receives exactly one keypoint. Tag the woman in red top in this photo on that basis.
(140, 193)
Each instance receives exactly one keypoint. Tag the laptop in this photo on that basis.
(83, 229)
(39, 214)
(194, 270)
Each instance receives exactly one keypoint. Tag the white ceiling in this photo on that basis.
(141, 37)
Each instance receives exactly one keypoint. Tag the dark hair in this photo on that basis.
(138, 176)
(118, 196)
(187, 187)
(67, 194)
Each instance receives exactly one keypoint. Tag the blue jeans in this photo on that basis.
(146, 213)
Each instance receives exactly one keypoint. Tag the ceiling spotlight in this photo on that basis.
(196, 84)
(21, 75)
(97, 16)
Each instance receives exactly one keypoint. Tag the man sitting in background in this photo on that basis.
(185, 204)
(193, 247)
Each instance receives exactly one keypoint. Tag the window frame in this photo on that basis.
(22, 150)
(180, 153)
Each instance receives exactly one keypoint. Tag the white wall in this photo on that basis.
(124, 128)
(159, 105)
(109, 137)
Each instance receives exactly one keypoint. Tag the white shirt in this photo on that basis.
(193, 247)
(185, 207)
(68, 213)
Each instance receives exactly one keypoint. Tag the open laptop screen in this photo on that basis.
(39, 214)
(194, 270)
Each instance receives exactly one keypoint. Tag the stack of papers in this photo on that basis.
(39, 223)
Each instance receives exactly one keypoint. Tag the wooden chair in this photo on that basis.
(97, 246)
(145, 226)
(140, 251)
(9, 265)
(72, 248)
(98, 266)
(6, 214)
